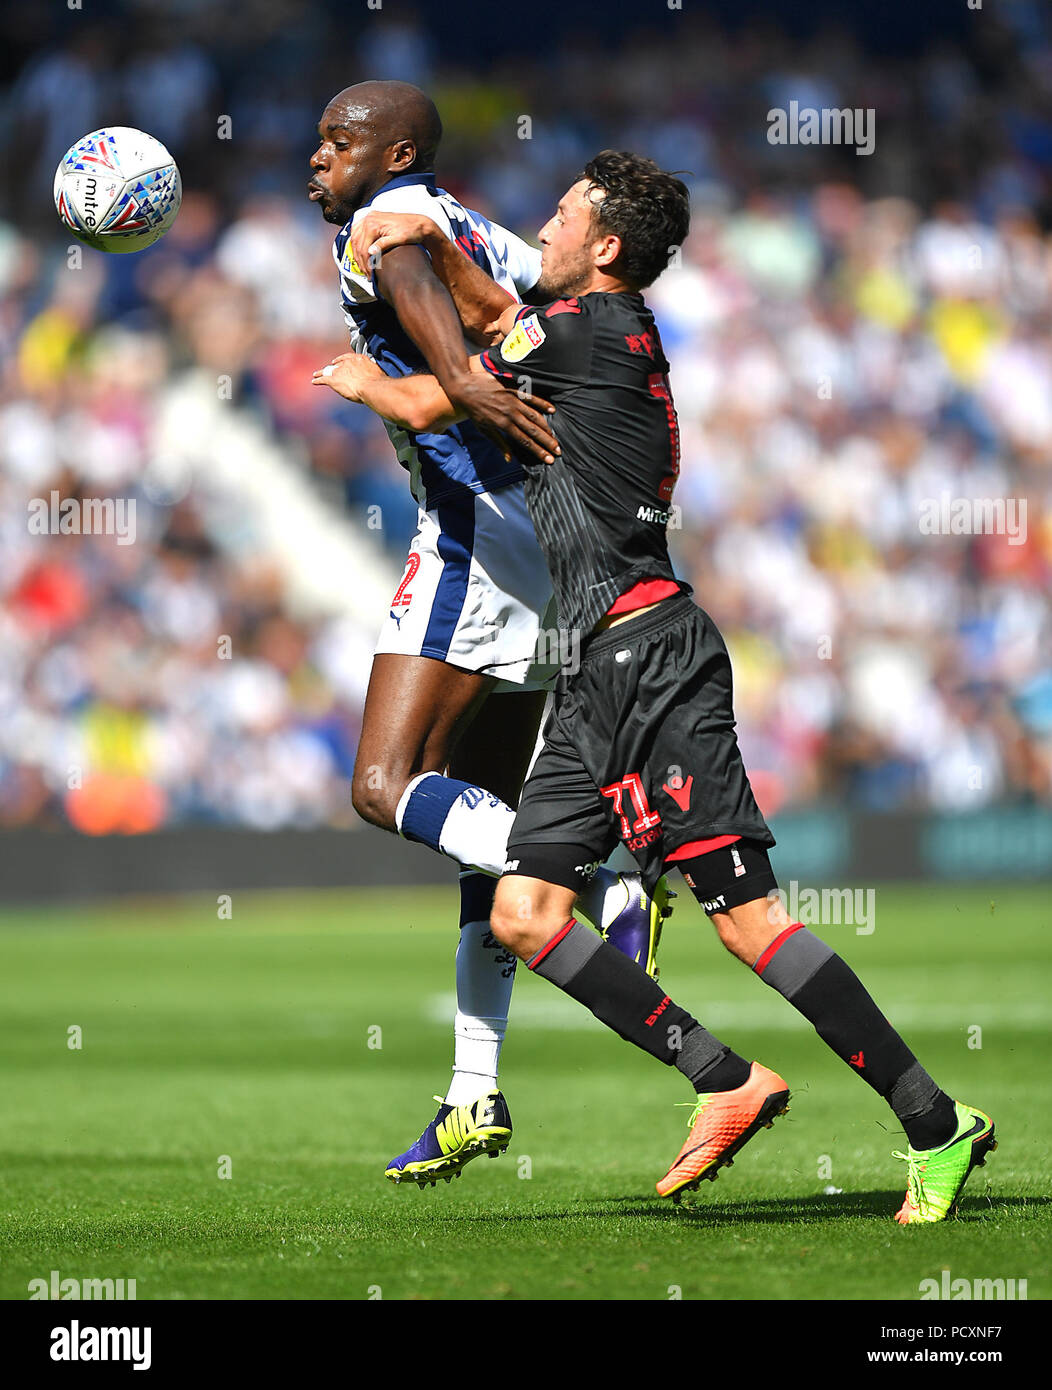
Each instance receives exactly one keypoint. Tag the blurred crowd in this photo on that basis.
(859, 344)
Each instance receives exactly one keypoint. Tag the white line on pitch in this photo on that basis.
(769, 1015)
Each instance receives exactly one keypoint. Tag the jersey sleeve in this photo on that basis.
(550, 348)
(521, 261)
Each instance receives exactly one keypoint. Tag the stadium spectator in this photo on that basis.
(855, 344)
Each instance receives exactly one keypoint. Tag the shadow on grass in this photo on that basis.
(760, 1211)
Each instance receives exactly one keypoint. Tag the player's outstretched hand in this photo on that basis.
(506, 415)
(378, 232)
(347, 374)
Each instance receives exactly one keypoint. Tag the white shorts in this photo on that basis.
(476, 592)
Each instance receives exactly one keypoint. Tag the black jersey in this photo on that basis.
(601, 510)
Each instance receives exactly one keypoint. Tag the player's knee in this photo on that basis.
(731, 936)
(504, 924)
(515, 926)
(374, 797)
(748, 930)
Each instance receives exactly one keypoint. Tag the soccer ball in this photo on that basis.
(118, 189)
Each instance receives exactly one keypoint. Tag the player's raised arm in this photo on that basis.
(417, 403)
(479, 300)
(426, 312)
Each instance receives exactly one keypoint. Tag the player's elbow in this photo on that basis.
(428, 413)
(422, 419)
(485, 332)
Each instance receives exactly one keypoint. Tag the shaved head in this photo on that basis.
(369, 134)
(390, 112)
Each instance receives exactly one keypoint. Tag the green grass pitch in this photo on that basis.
(253, 1040)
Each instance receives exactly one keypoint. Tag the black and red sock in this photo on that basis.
(807, 972)
(627, 1000)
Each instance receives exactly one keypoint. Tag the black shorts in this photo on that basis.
(639, 747)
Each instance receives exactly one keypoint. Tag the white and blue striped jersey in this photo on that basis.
(462, 460)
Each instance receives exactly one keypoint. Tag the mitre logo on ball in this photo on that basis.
(118, 189)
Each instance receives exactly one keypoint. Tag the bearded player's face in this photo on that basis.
(347, 167)
(567, 239)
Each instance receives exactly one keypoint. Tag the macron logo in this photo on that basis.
(679, 791)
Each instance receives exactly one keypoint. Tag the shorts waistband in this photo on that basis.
(667, 613)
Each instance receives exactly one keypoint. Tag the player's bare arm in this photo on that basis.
(427, 313)
(482, 305)
(417, 403)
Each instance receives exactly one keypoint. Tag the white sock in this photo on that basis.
(485, 975)
(472, 826)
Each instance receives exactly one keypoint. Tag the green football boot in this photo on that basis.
(935, 1176)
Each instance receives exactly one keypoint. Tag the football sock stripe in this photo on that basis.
(458, 819)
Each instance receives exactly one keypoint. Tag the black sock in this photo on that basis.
(830, 996)
(626, 999)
